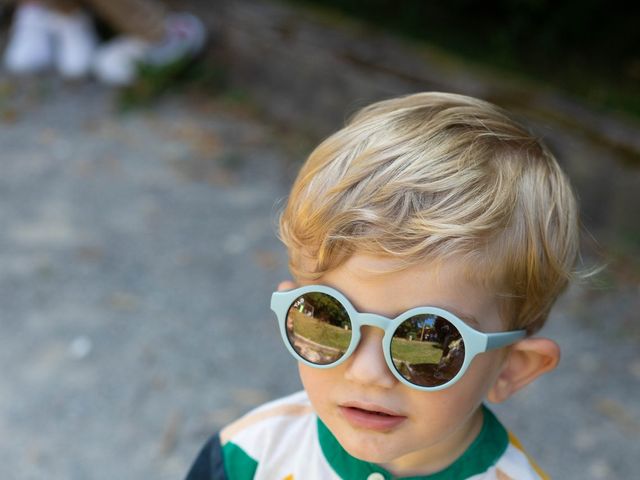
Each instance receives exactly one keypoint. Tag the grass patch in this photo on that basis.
(415, 352)
(320, 332)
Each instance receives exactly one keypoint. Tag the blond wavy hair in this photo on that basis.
(435, 176)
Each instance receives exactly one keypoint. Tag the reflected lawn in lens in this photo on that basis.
(320, 332)
(415, 352)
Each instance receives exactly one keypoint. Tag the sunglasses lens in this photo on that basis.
(427, 350)
(318, 328)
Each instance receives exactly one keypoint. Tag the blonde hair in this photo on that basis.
(433, 176)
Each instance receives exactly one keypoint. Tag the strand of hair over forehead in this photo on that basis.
(427, 176)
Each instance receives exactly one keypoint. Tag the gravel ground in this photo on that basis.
(137, 256)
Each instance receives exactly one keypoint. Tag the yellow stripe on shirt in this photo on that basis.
(516, 443)
(253, 418)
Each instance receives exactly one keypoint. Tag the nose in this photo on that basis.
(367, 366)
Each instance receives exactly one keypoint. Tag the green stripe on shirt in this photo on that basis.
(238, 465)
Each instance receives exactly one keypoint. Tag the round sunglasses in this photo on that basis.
(426, 348)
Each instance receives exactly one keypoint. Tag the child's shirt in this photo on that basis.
(285, 440)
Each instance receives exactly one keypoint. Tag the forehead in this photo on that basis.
(382, 285)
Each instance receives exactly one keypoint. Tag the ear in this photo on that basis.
(286, 285)
(525, 361)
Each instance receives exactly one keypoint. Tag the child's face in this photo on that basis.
(432, 428)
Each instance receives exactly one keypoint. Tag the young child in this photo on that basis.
(428, 240)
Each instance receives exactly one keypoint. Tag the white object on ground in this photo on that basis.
(185, 37)
(29, 49)
(117, 62)
(75, 42)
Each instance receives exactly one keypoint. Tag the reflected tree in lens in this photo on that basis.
(318, 328)
(427, 350)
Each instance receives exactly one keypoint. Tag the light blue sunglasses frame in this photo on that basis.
(475, 342)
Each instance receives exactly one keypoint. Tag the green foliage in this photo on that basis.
(589, 47)
(155, 81)
(327, 309)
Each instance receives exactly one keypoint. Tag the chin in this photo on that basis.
(373, 451)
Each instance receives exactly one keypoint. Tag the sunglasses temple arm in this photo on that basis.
(498, 340)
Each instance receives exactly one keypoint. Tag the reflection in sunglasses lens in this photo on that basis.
(318, 328)
(427, 350)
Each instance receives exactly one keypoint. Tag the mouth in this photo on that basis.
(371, 417)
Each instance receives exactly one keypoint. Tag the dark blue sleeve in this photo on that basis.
(209, 465)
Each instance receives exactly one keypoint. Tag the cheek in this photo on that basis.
(479, 378)
(450, 409)
(471, 390)
(309, 376)
(318, 382)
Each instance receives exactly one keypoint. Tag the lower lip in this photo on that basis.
(370, 421)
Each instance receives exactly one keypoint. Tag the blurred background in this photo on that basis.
(138, 246)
